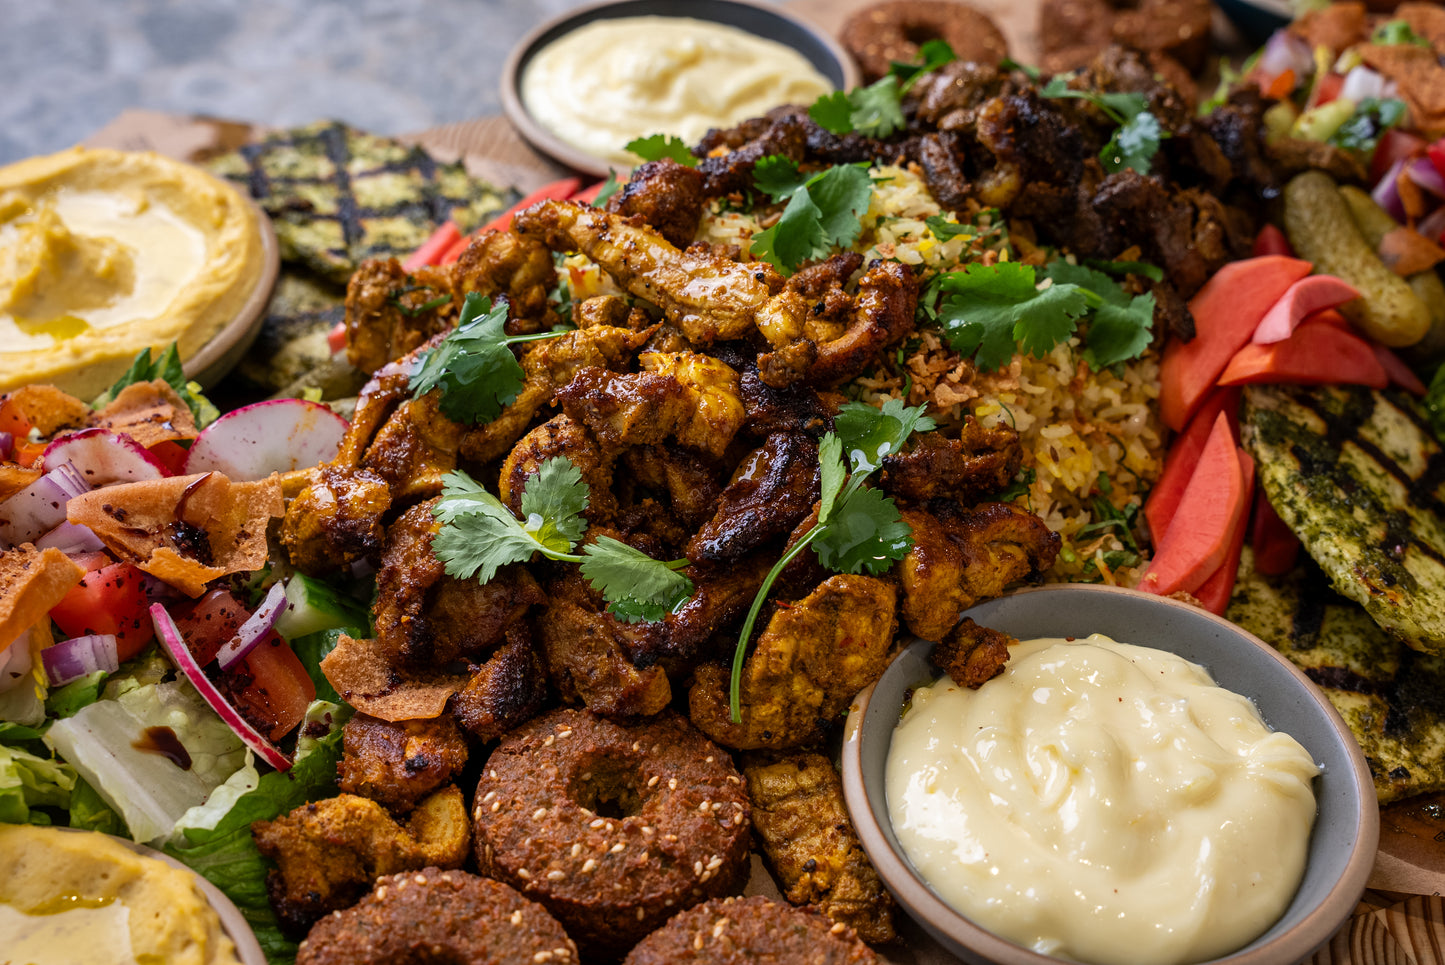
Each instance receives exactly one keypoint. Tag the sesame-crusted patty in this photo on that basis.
(431, 917)
(613, 827)
(733, 931)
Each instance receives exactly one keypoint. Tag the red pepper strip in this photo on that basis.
(556, 191)
(438, 244)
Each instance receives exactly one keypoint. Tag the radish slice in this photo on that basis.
(40, 506)
(71, 538)
(254, 630)
(278, 435)
(104, 457)
(74, 658)
(171, 639)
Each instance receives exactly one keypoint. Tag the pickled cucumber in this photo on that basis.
(1323, 232)
(1374, 223)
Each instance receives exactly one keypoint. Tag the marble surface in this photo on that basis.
(385, 66)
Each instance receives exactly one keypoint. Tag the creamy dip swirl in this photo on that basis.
(613, 81)
(1102, 802)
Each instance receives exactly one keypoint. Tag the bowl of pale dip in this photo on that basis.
(104, 253)
(1144, 782)
(82, 897)
(582, 86)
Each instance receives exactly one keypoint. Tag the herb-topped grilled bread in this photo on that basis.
(1392, 697)
(338, 196)
(1358, 476)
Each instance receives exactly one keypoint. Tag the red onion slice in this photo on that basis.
(1423, 173)
(39, 507)
(104, 457)
(255, 628)
(1432, 226)
(74, 658)
(1362, 82)
(7, 442)
(1284, 51)
(170, 637)
(1387, 192)
(71, 538)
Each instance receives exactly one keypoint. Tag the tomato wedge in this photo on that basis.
(110, 599)
(209, 622)
(271, 688)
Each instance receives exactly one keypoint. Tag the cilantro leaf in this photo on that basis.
(778, 177)
(932, 54)
(867, 434)
(943, 229)
(867, 534)
(1008, 64)
(1133, 145)
(1137, 139)
(1393, 32)
(987, 309)
(658, 146)
(832, 474)
(636, 586)
(1361, 131)
(833, 112)
(552, 504)
(473, 366)
(1151, 272)
(877, 108)
(609, 187)
(821, 214)
(796, 237)
(479, 534)
(1119, 332)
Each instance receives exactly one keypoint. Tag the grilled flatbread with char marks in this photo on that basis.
(1359, 478)
(1392, 697)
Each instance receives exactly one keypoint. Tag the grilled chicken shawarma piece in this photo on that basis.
(687, 398)
(799, 813)
(960, 557)
(390, 311)
(1388, 694)
(560, 436)
(722, 593)
(397, 764)
(976, 465)
(506, 691)
(415, 448)
(688, 480)
(709, 297)
(1355, 474)
(428, 619)
(812, 348)
(336, 520)
(815, 654)
(506, 264)
(666, 195)
(586, 655)
(546, 365)
(771, 491)
(972, 655)
(329, 853)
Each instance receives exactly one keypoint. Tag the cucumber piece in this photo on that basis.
(313, 606)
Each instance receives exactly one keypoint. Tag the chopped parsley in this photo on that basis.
(989, 312)
(877, 110)
(822, 213)
(474, 366)
(479, 535)
(1137, 138)
(1372, 117)
(658, 146)
(858, 528)
(167, 368)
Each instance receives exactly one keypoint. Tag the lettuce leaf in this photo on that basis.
(29, 781)
(226, 854)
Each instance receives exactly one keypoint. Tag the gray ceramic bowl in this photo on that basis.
(755, 16)
(1347, 827)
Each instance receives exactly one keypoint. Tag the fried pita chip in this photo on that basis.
(31, 582)
(1406, 252)
(1337, 26)
(185, 530)
(1427, 20)
(362, 673)
(14, 478)
(48, 409)
(1420, 77)
(148, 412)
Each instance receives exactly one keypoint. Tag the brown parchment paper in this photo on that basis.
(1400, 919)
